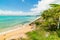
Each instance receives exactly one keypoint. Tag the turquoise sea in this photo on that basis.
(9, 21)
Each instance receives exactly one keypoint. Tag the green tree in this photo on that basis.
(52, 16)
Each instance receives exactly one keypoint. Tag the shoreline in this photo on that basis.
(19, 30)
(15, 32)
(18, 25)
(11, 28)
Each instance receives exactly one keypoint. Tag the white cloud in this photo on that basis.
(5, 12)
(57, 1)
(42, 5)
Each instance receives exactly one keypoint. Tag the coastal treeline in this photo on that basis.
(48, 25)
(52, 17)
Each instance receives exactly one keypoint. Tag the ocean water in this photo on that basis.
(9, 21)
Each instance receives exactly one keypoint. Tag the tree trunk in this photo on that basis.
(58, 23)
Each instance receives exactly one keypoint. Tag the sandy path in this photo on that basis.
(19, 31)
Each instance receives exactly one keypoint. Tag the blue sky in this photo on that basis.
(24, 7)
(17, 5)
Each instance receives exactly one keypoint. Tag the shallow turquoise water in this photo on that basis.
(9, 21)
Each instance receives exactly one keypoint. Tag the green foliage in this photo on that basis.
(41, 35)
(54, 5)
(51, 19)
(37, 23)
(36, 35)
(51, 16)
(58, 33)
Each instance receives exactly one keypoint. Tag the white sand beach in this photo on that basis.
(16, 32)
